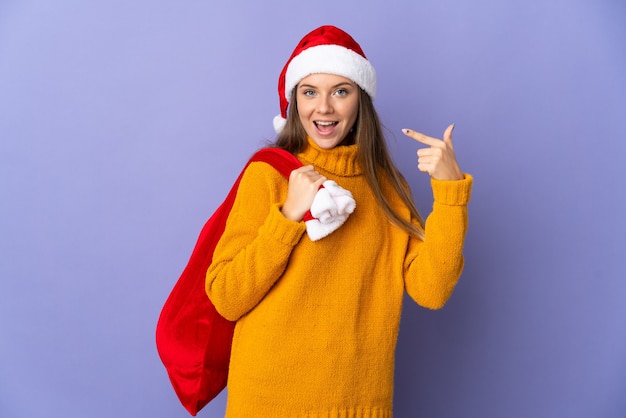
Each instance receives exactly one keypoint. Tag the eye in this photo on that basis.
(308, 93)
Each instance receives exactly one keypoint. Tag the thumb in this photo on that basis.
(447, 135)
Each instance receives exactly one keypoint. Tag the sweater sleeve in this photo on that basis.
(255, 246)
(433, 266)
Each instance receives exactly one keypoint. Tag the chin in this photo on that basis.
(325, 143)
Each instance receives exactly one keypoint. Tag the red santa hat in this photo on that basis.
(329, 50)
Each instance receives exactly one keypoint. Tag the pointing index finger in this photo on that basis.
(420, 137)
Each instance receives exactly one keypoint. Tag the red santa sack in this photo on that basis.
(192, 339)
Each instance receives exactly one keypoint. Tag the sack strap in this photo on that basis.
(282, 160)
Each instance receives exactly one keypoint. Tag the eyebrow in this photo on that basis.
(343, 83)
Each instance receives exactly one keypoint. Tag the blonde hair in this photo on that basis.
(372, 155)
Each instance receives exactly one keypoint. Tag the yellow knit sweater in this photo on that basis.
(317, 322)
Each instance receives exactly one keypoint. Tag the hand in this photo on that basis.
(438, 160)
(304, 183)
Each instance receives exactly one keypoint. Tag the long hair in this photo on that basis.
(372, 155)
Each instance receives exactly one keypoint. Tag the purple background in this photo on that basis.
(123, 124)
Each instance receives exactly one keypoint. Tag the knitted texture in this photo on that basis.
(318, 321)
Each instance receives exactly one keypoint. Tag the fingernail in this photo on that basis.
(406, 131)
(453, 125)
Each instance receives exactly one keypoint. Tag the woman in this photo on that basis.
(317, 320)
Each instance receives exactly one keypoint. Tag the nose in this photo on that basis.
(324, 104)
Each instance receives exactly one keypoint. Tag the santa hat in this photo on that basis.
(328, 50)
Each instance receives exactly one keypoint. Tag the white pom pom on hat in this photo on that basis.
(329, 50)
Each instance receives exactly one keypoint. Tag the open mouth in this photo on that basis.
(325, 126)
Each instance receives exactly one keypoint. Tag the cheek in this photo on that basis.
(354, 111)
(303, 110)
(302, 118)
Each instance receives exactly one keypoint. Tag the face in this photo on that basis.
(327, 106)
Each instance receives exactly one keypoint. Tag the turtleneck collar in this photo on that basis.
(340, 160)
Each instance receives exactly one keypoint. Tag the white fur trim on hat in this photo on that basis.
(331, 59)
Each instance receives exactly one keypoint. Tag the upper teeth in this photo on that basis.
(325, 123)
